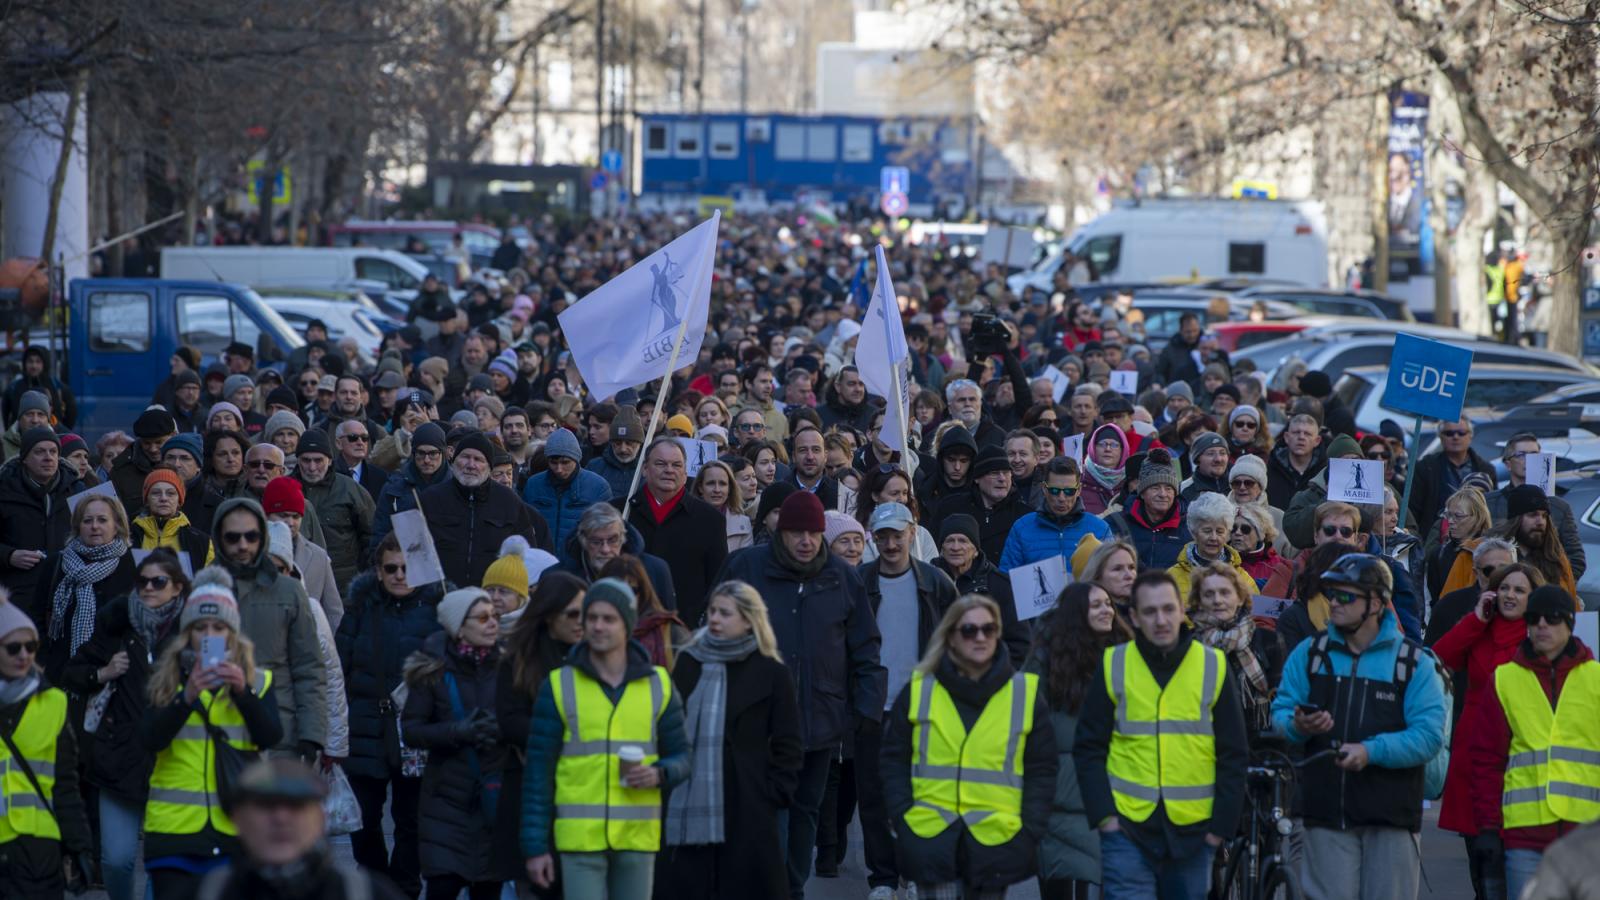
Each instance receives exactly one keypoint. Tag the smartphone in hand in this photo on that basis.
(213, 650)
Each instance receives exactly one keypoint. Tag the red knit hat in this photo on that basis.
(802, 511)
(160, 476)
(283, 495)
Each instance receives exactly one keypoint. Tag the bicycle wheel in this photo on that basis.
(1228, 875)
(1280, 884)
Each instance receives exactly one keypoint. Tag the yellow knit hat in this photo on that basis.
(1080, 557)
(508, 572)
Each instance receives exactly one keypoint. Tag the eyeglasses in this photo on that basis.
(1539, 618)
(1240, 484)
(1060, 491)
(355, 438)
(1454, 432)
(1243, 528)
(1523, 454)
(427, 454)
(1454, 516)
(1048, 420)
(261, 464)
(156, 582)
(1486, 571)
(1344, 531)
(241, 537)
(393, 568)
(481, 618)
(970, 632)
(1378, 455)
(1343, 598)
(17, 648)
(751, 426)
(1244, 423)
(309, 383)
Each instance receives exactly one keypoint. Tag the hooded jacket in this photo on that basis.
(573, 559)
(562, 505)
(932, 486)
(63, 405)
(274, 614)
(399, 495)
(1040, 535)
(1097, 497)
(618, 474)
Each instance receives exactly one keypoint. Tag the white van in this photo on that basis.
(1166, 239)
(320, 267)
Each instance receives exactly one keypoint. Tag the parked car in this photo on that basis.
(1582, 493)
(1335, 350)
(479, 240)
(1164, 308)
(1364, 304)
(1490, 386)
(345, 317)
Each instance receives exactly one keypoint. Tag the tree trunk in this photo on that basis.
(1378, 153)
(1466, 263)
(59, 182)
(1566, 287)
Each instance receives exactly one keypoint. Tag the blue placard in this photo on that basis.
(894, 180)
(597, 182)
(1427, 378)
(1591, 337)
(611, 160)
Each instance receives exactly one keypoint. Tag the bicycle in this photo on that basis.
(1252, 865)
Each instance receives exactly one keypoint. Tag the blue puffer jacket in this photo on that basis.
(563, 505)
(399, 495)
(375, 636)
(1038, 535)
(618, 474)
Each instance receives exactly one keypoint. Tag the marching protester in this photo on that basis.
(92, 570)
(162, 522)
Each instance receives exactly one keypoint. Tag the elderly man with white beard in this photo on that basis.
(469, 515)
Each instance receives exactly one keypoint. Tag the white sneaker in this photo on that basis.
(881, 892)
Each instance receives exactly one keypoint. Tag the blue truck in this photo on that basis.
(121, 334)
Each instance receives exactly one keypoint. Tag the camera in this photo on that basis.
(987, 338)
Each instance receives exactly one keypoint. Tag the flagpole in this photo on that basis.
(661, 396)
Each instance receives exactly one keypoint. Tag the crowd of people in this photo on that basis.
(630, 676)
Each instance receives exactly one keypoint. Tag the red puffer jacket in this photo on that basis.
(1478, 648)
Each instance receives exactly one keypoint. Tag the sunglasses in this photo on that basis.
(1240, 484)
(241, 537)
(261, 464)
(157, 582)
(1061, 491)
(1344, 531)
(17, 648)
(1454, 432)
(1243, 528)
(1244, 423)
(1378, 455)
(1048, 420)
(1539, 618)
(752, 426)
(356, 438)
(971, 632)
(1486, 571)
(481, 618)
(1343, 598)
(392, 568)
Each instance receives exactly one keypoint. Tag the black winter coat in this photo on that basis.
(204, 495)
(468, 525)
(694, 542)
(1428, 493)
(128, 472)
(117, 760)
(1283, 482)
(31, 518)
(30, 867)
(983, 578)
(935, 593)
(54, 652)
(454, 836)
(514, 710)
(954, 854)
(994, 524)
(829, 639)
(761, 757)
(378, 633)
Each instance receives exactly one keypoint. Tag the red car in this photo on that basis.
(1233, 336)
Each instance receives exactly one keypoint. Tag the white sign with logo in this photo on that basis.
(1059, 382)
(1072, 447)
(697, 453)
(1125, 382)
(103, 489)
(1541, 469)
(1262, 606)
(1035, 587)
(422, 560)
(1356, 480)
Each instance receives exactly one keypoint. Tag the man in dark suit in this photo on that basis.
(354, 442)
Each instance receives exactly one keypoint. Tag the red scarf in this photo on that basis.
(663, 508)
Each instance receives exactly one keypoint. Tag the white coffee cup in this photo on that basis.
(629, 757)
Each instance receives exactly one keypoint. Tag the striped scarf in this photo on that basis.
(82, 568)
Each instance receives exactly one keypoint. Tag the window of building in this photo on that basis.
(655, 139)
(822, 143)
(724, 140)
(857, 143)
(1247, 259)
(791, 142)
(686, 140)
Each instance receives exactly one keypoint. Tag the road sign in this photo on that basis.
(894, 204)
(1427, 378)
(256, 175)
(894, 180)
(611, 161)
(597, 182)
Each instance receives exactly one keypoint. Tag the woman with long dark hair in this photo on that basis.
(891, 484)
(221, 477)
(659, 629)
(1069, 643)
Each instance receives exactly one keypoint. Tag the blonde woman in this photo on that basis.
(1113, 566)
(720, 834)
(959, 718)
(717, 485)
(1219, 607)
(91, 571)
(199, 696)
(711, 411)
(1467, 520)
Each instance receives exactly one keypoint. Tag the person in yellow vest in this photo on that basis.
(1536, 762)
(41, 812)
(607, 737)
(198, 695)
(968, 762)
(1160, 753)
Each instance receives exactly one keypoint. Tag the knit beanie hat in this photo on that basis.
(802, 511)
(314, 440)
(154, 422)
(188, 442)
(990, 459)
(505, 364)
(962, 524)
(1243, 411)
(1158, 469)
(1316, 383)
(680, 422)
(617, 593)
(283, 495)
(508, 572)
(235, 382)
(478, 441)
(836, 523)
(280, 541)
(465, 418)
(493, 404)
(563, 443)
(280, 420)
(1250, 467)
(772, 498)
(428, 435)
(1180, 389)
(72, 443)
(211, 598)
(1546, 600)
(1205, 440)
(1525, 498)
(36, 436)
(34, 401)
(1080, 557)
(12, 618)
(282, 396)
(1344, 445)
(453, 609)
(223, 406)
(163, 476)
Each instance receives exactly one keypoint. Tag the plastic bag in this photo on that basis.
(95, 709)
(343, 812)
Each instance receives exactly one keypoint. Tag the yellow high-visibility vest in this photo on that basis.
(1163, 744)
(593, 810)
(974, 776)
(1554, 770)
(35, 737)
(183, 785)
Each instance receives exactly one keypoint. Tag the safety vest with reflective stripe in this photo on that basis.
(974, 776)
(35, 737)
(1554, 770)
(183, 785)
(1163, 749)
(593, 810)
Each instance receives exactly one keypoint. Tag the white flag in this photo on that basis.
(883, 357)
(622, 334)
